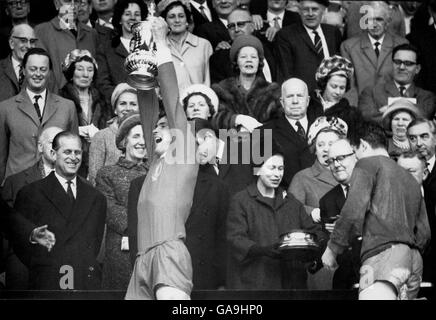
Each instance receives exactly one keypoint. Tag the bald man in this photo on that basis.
(21, 39)
(290, 129)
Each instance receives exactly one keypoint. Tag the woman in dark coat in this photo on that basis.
(114, 182)
(80, 70)
(111, 55)
(247, 100)
(257, 217)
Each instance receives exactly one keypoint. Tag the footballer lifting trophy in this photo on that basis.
(141, 64)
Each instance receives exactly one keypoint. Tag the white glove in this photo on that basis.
(316, 215)
(247, 122)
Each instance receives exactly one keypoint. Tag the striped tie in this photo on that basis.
(318, 45)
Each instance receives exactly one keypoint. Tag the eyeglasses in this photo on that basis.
(24, 40)
(240, 24)
(407, 63)
(16, 3)
(339, 159)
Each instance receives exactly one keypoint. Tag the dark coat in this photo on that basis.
(296, 55)
(198, 18)
(110, 59)
(252, 221)
(114, 182)
(78, 231)
(8, 80)
(430, 204)
(205, 228)
(261, 102)
(295, 149)
(214, 31)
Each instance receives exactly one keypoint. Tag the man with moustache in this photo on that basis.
(341, 160)
(75, 212)
(21, 39)
(25, 115)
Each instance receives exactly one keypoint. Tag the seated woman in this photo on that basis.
(190, 53)
(114, 182)
(80, 70)
(199, 101)
(103, 150)
(333, 79)
(257, 217)
(309, 185)
(395, 121)
(246, 100)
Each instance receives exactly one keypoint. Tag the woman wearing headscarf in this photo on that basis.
(80, 70)
(246, 100)
(114, 182)
(103, 150)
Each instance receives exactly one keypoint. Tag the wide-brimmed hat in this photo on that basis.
(127, 122)
(201, 88)
(246, 41)
(399, 105)
(323, 124)
(334, 65)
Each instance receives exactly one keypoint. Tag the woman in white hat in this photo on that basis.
(199, 101)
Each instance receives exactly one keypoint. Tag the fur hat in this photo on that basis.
(246, 41)
(119, 89)
(127, 122)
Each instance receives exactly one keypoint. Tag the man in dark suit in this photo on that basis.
(202, 12)
(422, 137)
(425, 40)
(205, 227)
(16, 272)
(301, 47)
(21, 39)
(75, 213)
(341, 161)
(25, 115)
(373, 101)
(216, 30)
(103, 23)
(290, 129)
(240, 23)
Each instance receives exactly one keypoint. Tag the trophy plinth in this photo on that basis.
(141, 63)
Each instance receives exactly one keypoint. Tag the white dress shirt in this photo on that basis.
(325, 49)
(47, 170)
(41, 101)
(303, 121)
(373, 41)
(105, 23)
(16, 65)
(206, 9)
(430, 164)
(64, 184)
(270, 17)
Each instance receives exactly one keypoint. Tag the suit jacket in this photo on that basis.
(214, 31)
(198, 18)
(78, 230)
(373, 98)
(369, 70)
(111, 68)
(15, 182)
(205, 228)
(8, 80)
(296, 55)
(20, 127)
(425, 40)
(296, 151)
(288, 18)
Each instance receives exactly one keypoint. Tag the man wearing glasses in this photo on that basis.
(21, 39)
(342, 161)
(64, 33)
(373, 101)
(384, 204)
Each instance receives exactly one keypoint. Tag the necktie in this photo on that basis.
(36, 105)
(300, 130)
(74, 32)
(402, 91)
(20, 76)
(347, 188)
(70, 192)
(377, 51)
(318, 45)
(276, 22)
(203, 13)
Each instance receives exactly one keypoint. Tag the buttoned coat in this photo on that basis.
(20, 128)
(375, 97)
(78, 230)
